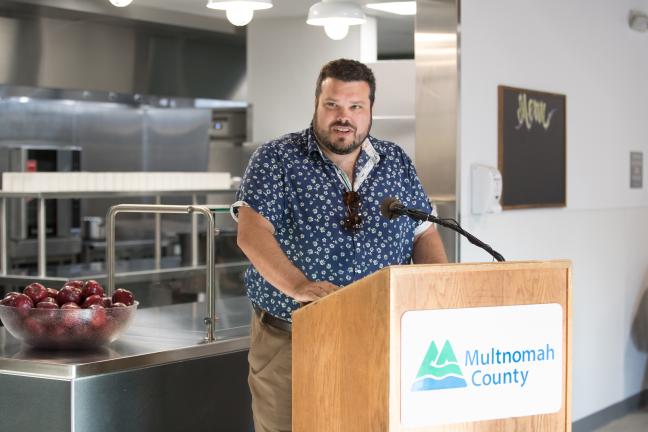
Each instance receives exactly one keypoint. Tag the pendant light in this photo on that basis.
(121, 3)
(336, 16)
(239, 12)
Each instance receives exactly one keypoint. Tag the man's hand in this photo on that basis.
(309, 291)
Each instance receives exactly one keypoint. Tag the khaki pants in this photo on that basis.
(270, 377)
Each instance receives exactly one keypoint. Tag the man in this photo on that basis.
(309, 221)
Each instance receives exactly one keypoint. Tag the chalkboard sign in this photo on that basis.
(532, 148)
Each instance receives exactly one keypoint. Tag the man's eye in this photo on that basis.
(356, 107)
(330, 104)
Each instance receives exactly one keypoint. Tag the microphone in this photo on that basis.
(391, 208)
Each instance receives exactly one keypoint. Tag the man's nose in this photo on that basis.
(343, 114)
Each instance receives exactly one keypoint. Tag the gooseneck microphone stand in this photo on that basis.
(391, 207)
(453, 225)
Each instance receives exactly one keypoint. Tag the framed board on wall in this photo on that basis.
(532, 151)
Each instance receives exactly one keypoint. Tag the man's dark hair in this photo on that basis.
(347, 70)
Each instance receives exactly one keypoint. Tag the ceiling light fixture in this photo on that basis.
(121, 3)
(399, 8)
(336, 16)
(239, 12)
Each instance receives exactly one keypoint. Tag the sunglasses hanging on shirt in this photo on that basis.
(353, 219)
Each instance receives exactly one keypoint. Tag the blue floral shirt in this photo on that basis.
(291, 183)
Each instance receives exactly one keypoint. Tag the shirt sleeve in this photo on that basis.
(262, 187)
(417, 198)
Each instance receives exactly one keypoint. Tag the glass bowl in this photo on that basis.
(67, 328)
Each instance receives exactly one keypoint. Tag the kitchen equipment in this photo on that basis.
(63, 216)
(94, 228)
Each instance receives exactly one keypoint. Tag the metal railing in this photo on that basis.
(158, 210)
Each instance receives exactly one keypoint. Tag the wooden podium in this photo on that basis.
(347, 346)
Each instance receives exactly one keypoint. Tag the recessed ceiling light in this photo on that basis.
(399, 8)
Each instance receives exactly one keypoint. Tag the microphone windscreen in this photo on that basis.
(387, 207)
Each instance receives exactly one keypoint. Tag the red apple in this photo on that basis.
(47, 312)
(71, 318)
(22, 301)
(123, 296)
(33, 327)
(47, 305)
(74, 283)
(55, 330)
(92, 287)
(35, 291)
(68, 294)
(7, 301)
(98, 316)
(52, 292)
(48, 300)
(8, 298)
(82, 331)
(93, 299)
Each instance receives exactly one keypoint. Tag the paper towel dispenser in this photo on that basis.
(486, 189)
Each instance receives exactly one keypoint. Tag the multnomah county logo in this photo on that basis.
(439, 370)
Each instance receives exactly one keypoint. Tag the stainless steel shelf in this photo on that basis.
(116, 194)
(130, 270)
(42, 196)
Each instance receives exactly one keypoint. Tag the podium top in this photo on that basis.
(412, 269)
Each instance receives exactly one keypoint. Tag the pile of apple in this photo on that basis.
(74, 294)
(77, 315)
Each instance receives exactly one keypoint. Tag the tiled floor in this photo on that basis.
(635, 422)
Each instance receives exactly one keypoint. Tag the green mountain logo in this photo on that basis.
(439, 371)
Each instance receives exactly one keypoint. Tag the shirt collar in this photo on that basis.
(312, 147)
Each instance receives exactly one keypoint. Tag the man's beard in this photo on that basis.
(322, 136)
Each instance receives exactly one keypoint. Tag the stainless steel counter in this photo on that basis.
(159, 376)
(157, 336)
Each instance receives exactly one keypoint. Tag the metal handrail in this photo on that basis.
(212, 231)
(4, 262)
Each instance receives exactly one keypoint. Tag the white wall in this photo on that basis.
(584, 49)
(283, 60)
